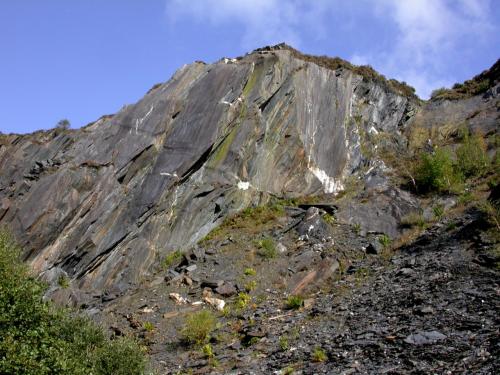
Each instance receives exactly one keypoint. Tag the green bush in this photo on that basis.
(284, 344)
(384, 240)
(294, 302)
(472, 159)
(242, 300)
(250, 271)
(198, 327)
(439, 92)
(438, 211)
(63, 281)
(435, 172)
(63, 124)
(38, 338)
(318, 355)
(330, 219)
(267, 248)
(208, 351)
(251, 285)
(171, 258)
(148, 326)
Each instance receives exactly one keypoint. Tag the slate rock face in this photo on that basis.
(102, 203)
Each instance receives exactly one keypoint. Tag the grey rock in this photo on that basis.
(226, 290)
(281, 248)
(191, 268)
(374, 247)
(424, 337)
(313, 226)
(212, 284)
(378, 210)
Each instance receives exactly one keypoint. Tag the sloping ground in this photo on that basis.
(220, 185)
(432, 309)
(430, 306)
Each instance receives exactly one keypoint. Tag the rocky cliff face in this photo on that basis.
(103, 203)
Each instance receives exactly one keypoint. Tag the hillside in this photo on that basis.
(289, 187)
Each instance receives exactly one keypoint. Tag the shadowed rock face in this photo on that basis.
(103, 202)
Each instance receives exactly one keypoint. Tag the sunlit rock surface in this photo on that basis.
(102, 203)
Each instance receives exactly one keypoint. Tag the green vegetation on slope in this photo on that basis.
(475, 86)
(38, 338)
(445, 171)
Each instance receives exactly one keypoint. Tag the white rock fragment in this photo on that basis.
(147, 310)
(178, 298)
(174, 174)
(281, 248)
(372, 130)
(215, 302)
(243, 185)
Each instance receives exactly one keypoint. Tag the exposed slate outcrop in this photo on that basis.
(104, 202)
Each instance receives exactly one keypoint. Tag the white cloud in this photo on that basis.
(263, 21)
(430, 34)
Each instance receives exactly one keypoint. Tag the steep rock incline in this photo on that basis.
(100, 204)
(442, 119)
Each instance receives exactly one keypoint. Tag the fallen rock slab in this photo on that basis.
(424, 338)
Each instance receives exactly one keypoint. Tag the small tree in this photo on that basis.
(472, 158)
(435, 172)
(63, 124)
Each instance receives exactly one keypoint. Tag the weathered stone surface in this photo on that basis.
(105, 202)
(423, 338)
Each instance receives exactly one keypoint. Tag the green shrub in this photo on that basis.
(465, 198)
(472, 159)
(198, 327)
(242, 300)
(357, 228)
(120, 358)
(330, 219)
(284, 345)
(294, 302)
(318, 355)
(171, 258)
(148, 326)
(440, 92)
(63, 281)
(384, 240)
(471, 87)
(250, 271)
(251, 285)
(63, 124)
(38, 338)
(438, 211)
(267, 248)
(207, 350)
(435, 172)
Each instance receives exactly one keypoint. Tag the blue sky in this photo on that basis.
(81, 59)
